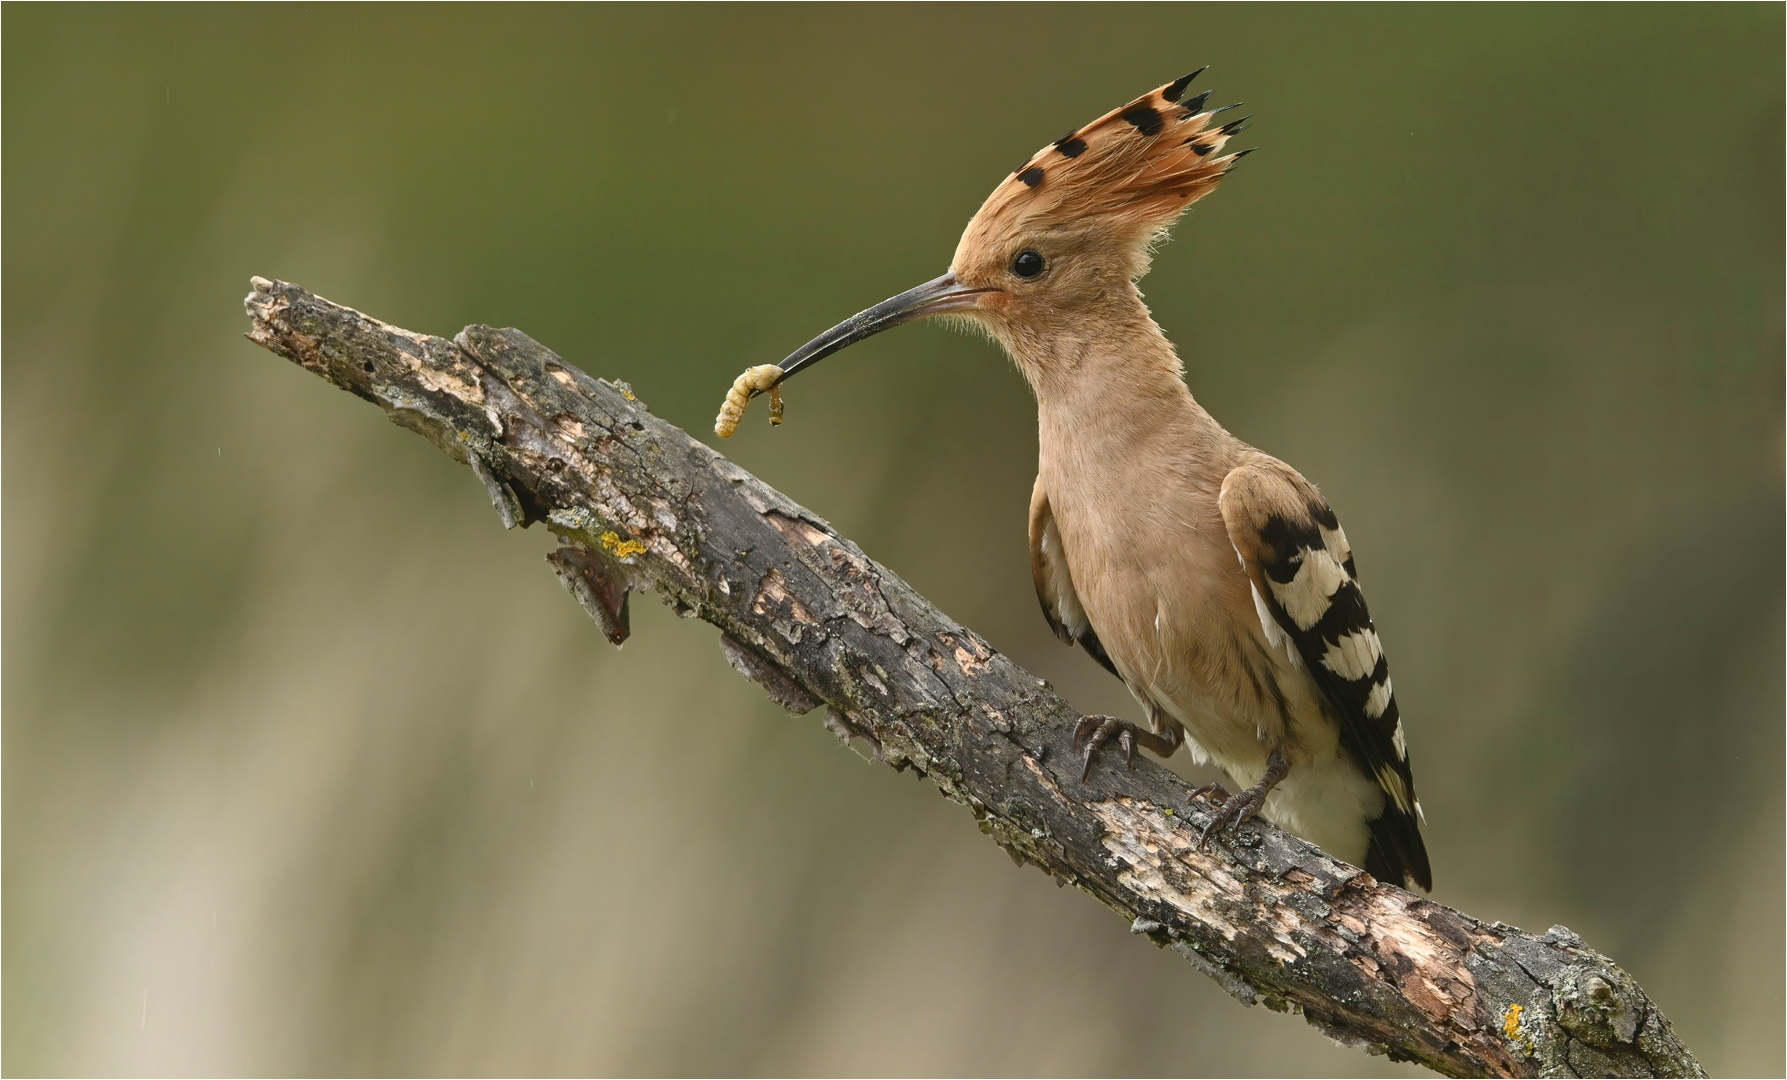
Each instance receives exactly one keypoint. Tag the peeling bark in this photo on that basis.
(636, 503)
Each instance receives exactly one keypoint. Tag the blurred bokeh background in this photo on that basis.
(311, 768)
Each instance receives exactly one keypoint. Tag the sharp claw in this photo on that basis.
(1093, 732)
(1235, 812)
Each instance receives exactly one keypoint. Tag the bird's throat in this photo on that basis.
(1113, 397)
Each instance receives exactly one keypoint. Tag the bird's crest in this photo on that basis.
(1135, 168)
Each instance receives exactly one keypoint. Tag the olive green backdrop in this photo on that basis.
(311, 768)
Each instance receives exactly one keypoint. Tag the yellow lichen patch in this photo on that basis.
(1511, 1022)
(621, 548)
(754, 381)
(1516, 1033)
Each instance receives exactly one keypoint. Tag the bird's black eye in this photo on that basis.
(1028, 264)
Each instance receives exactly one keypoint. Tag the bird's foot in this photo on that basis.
(1095, 731)
(1216, 793)
(1235, 811)
(1238, 810)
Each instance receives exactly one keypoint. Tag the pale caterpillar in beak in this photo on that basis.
(754, 381)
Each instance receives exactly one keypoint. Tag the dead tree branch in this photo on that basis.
(636, 503)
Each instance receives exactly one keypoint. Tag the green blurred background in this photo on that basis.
(311, 768)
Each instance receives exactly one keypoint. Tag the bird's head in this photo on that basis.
(1069, 229)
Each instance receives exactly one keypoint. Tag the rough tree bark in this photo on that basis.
(636, 503)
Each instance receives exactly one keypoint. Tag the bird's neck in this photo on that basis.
(1111, 396)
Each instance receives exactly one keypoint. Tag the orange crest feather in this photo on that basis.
(1138, 167)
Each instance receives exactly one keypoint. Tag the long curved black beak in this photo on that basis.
(936, 297)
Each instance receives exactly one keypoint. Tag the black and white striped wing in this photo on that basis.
(1305, 587)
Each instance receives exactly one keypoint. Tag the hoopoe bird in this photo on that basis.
(1209, 576)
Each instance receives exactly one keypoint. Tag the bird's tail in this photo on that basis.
(1397, 853)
